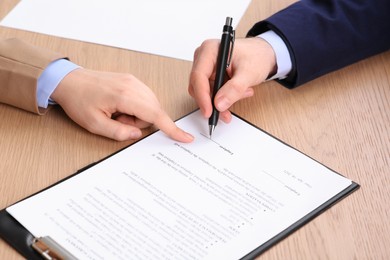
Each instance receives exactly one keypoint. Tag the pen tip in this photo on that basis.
(211, 128)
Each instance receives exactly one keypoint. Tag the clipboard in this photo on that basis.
(45, 247)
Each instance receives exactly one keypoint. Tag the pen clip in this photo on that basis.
(233, 37)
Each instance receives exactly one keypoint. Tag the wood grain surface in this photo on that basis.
(341, 119)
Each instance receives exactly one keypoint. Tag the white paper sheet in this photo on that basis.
(159, 199)
(172, 28)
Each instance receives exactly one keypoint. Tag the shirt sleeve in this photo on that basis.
(50, 78)
(283, 59)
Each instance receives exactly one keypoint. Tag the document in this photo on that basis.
(215, 198)
(170, 28)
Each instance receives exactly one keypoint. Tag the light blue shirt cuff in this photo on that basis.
(50, 78)
(283, 59)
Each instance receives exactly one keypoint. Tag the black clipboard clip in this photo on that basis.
(50, 249)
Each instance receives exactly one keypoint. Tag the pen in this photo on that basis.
(223, 61)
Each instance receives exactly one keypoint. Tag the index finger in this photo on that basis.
(202, 72)
(166, 125)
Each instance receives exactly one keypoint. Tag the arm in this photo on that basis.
(321, 36)
(113, 105)
(337, 33)
(20, 67)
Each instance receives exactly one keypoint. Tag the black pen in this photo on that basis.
(223, 61)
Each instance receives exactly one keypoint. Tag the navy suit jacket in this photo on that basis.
(326, 35)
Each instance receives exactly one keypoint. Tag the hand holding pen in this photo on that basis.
(250, 64)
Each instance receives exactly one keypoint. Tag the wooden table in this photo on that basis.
(341, 119)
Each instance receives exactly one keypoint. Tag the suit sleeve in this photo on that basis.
(21, 65)
(323, 36)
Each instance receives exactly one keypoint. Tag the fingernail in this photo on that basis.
(189, 137)
(135, 134)
(223, 104)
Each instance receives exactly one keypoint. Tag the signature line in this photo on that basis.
(205, 136)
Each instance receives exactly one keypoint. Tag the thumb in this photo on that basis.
(232, 91)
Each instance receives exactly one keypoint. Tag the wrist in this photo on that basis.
(268, 58)
(66, 86)
(283, 63)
